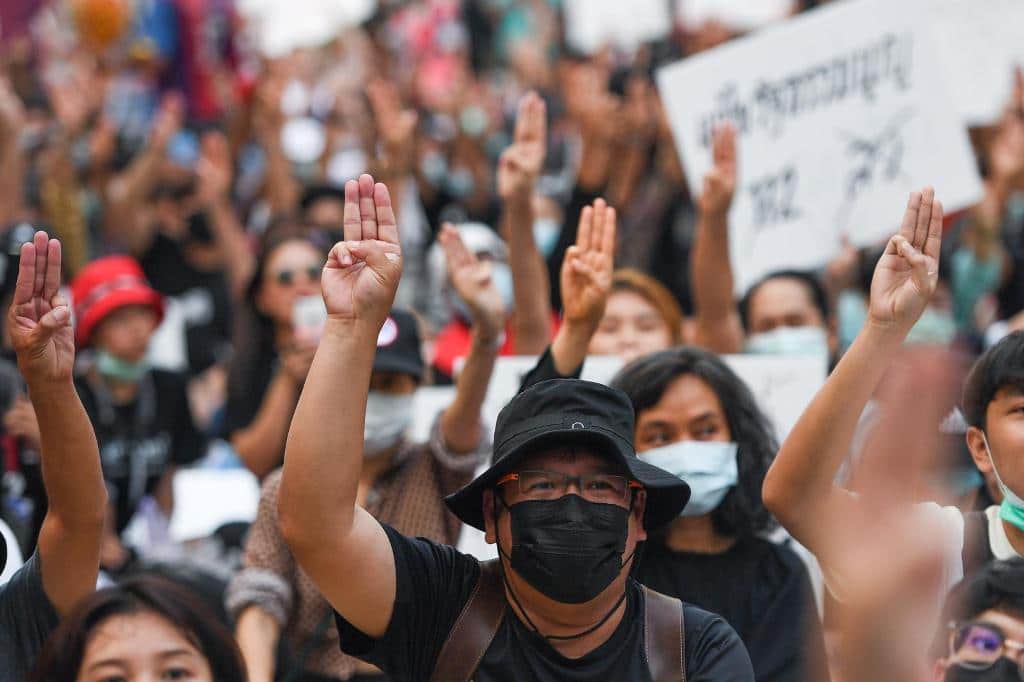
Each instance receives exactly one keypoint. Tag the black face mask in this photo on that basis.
(1003, 670)
(568, 549)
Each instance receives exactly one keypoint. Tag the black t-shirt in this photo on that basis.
(140, 440)
(435, 581)
(761, 589)
(204, 298)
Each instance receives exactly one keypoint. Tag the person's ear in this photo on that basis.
(490, 514)
(639, 506)
(979, 453)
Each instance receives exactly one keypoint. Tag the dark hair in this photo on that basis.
(64, 651)
(1001, 366)
(815, 290)
(645, 381)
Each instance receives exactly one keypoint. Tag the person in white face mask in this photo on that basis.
(277, 606)
(698, 420)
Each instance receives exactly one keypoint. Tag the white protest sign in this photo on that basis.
(206, 499)
(984, 41)
(593, 24)
(280, 27)
(840, 112)
(744, 15)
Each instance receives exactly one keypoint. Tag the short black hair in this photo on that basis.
(815, 289)
(1001, 366)
(645, 380)
(999, 585)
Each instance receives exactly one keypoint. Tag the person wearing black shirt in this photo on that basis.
(566, 500)
(141, 416)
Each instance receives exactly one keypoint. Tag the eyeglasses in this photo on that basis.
(550, 485)
(978, 646)
(287, 277)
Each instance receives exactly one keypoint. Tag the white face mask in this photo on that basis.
(805, 341)
(387, 419)
(708, 467)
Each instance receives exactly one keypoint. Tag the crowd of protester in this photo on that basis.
(214, 259)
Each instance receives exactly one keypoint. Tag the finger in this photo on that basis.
(352, 226)
(538, 119)
(40, 241)
(341, 255)
(51, 282)
(597, 232)
(367, 206)
(933, 244)
(378, 255)
(585, 227)
(25, 286)
(583, 269)
(50, 323)
(521, 133)
(924, 217)
(610, 228)
(387, 226)
(455, 250)
(910, 216)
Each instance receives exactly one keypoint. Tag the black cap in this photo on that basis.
(565, 412)
(398, 345)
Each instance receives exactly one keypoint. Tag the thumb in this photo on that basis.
(918, 264)
(50, 322)
(377, 255)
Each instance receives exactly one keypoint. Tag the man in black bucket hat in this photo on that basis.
(567, 502)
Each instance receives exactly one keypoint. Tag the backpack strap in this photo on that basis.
(664, 637)
(474, 629)
(977, 549)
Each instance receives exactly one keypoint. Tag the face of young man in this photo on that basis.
(989, 646)
(1003, 436)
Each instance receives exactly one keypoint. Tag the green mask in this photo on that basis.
(1012, 508)
(113, 367)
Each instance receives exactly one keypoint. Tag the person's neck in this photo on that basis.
(121, 391)
(696, 534)
(555, 619)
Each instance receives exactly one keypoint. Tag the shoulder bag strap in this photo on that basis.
(474, 629)
(664, 637)
(977, 549)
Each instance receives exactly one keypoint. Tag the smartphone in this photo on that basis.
(308, 318)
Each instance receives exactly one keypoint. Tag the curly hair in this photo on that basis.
(645, 381)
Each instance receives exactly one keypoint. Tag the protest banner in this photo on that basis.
(839, 115)
(984, 44)
(593, 24)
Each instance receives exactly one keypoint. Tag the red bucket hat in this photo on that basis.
(105, 285)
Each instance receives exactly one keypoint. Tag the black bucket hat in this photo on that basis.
(566, 412)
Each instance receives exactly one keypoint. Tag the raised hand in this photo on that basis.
(39, 319)
(168, 121)
(1006, 153)
(520, 164)
(472, 281)
(908, 271)
(720, 181)
(214, 168)
(12, 111)
(395, 126)
(586, 275)
(362, 272)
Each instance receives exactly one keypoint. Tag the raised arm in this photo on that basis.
(799, 487)
(40, 325)
(717, 318)
(460, 424)
(342, 548)
(586, 283)
(12, 158)
(518, 169)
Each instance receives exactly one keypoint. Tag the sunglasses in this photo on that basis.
(977, 645)
(287, 277)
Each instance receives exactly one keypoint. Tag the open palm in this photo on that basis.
(362, 272)
(586, 275)
(39, 319)
(471, 278)
(907, 273)
(521, 163)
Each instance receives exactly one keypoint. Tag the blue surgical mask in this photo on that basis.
(934, 327)
(113, 367)
(708, 467)
(803, 341)
(546, 232)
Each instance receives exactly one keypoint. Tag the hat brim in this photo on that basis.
(667, 494)
(117, 299)
(400, 365)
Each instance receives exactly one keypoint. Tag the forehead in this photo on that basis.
(781, 295)
(1008, 393)
(570, 460)
(135, 635)
(1011, 625)
(686, 397)
(626, 303)
(295, 252)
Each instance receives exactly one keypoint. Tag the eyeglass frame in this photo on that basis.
(569, 478)
(1015, 647)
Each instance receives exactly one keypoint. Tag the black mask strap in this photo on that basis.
(515, 599)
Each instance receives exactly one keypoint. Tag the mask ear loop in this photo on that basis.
(519, 605)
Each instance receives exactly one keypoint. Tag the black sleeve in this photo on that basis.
(714, 652)
(544, 370)
(26, 618)
(433, 584)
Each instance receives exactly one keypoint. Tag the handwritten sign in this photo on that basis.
(593, 24)
(840, 113)
(985, 41)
